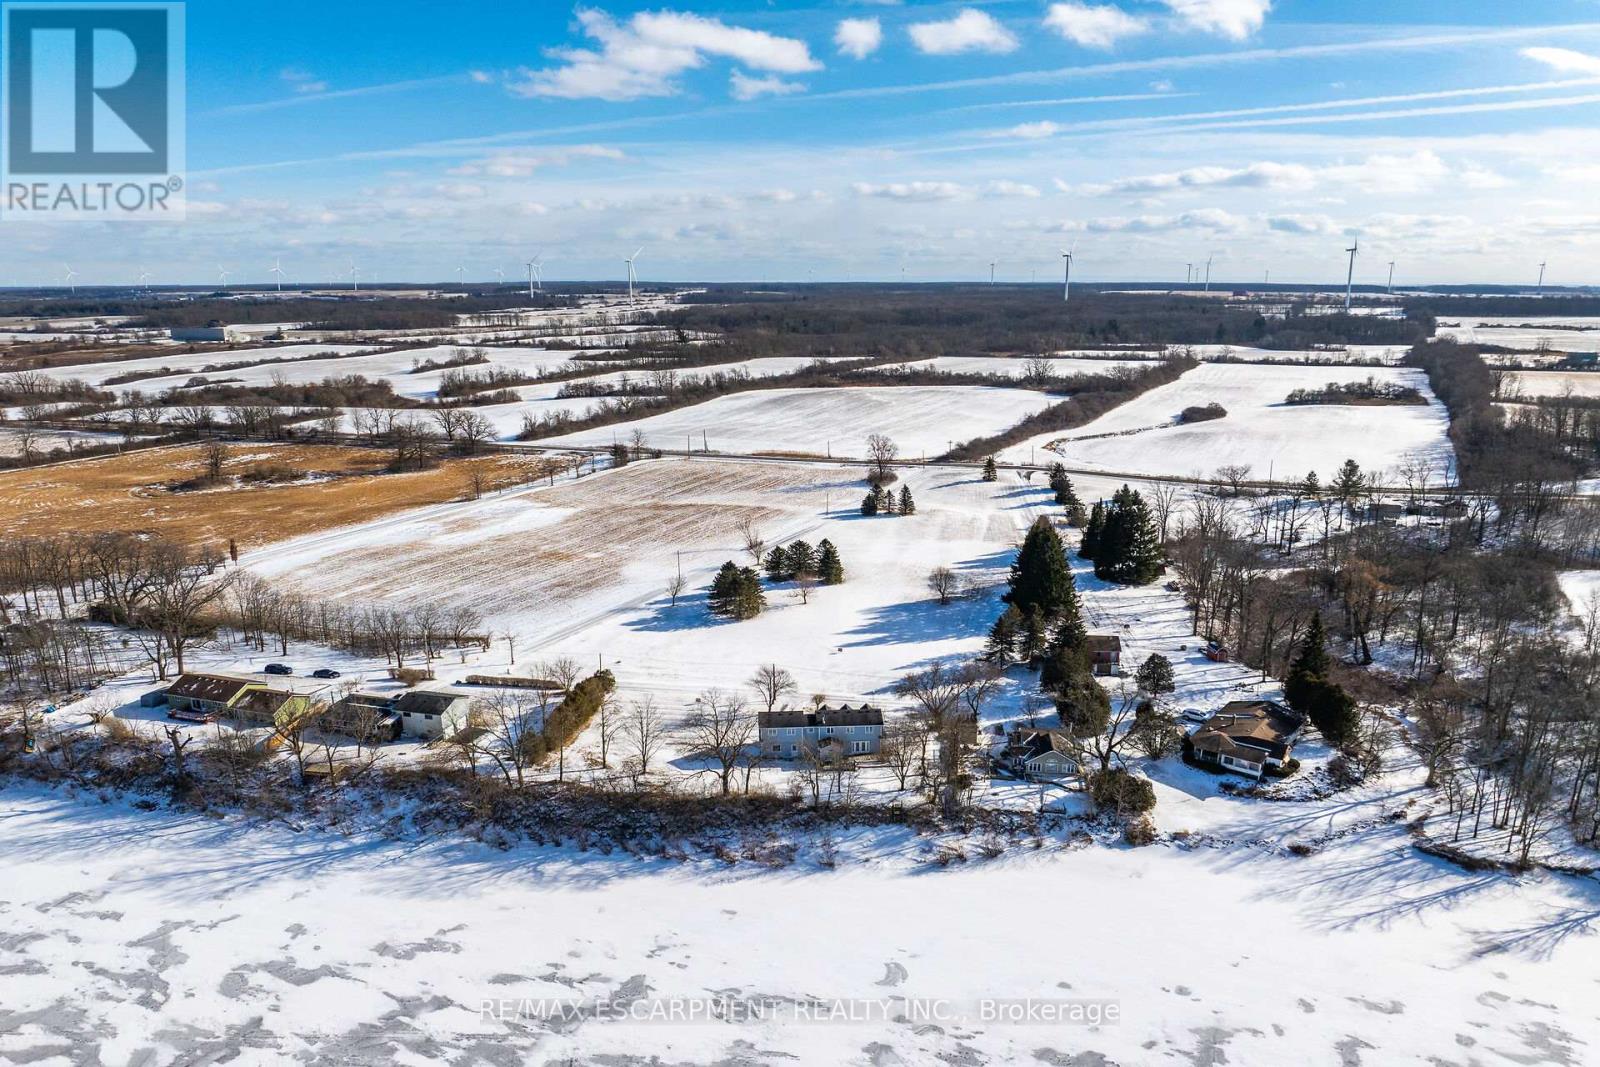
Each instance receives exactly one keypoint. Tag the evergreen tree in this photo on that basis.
(1034, 639)
(748, 598)
(991, 472)
(724, 590)
(1333, 712)
(1155, 676)
(869, 505)
(1064, 664)
(830, 569)
(1061, 485)
(1350, 483)
(802, 559)
(1077, 516)
(1311, 488)
(1041, 579)
(1128, 548)
(908, 506)
(885, 501)
(778, 566)
(1093, 531)
(1084, 706)
(1005, 636)
(1310, 667)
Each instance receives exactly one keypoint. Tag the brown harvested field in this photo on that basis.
(549, 550)
(337, 486)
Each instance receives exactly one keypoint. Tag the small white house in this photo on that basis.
(431, 713)
(1040, 756)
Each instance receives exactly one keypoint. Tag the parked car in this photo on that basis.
(277, 668)
(1174, 587)
(1193, 715)
(325, 672)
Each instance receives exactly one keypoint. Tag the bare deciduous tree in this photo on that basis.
(771, 682)
(718, 731)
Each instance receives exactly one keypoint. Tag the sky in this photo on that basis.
(863, 140)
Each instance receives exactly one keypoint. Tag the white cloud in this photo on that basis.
(1302, 224)
(1093, 27)
(1034, 131)
(1204, 219)
(519, 163)
(1417, 172)
(858, 38)
(303, 81)
(919, 191)
(969, 31)
(745, 87)
(1564, 60)
(1266, 175)
(1234, 19)
(641, 57)
(1001, 189)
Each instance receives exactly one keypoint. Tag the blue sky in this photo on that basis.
(851, 140)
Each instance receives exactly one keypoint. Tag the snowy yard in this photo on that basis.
(1536, 383)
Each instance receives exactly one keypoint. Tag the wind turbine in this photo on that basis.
(500, 274)
(461, 277)
(222, 275)
(71, 274)
(1540, 290)
(1066, 291)
(1208, 271)
(277, 271)
(535, 276)
(144, 279)
(1350, 278)
(355, 277)
(632, 277)
(1391, 277)
(1188, 275)
(991, 272)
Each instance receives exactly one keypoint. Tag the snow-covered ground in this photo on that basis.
(156, 937)
(187, 364)
(582, 568)
(1525, 333)
(1386, 354)
(922, 420)
(1260, 430)
(1536, 383)
(12, 440)
(1016, 367)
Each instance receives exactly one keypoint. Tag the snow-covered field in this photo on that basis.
(1260, 430)
(154, 937)
(1525, 333)
(1007, 367)
(12, 440)
(1536, 383)
(189, 363)
(1385, 354)
(837, 422)
(583, 567)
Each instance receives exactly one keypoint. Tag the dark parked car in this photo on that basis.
(278, 668)
(326, 672)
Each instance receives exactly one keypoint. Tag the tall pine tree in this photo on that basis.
(908, 506)
(1093, 531)
(830, 569)
(1041, 579)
